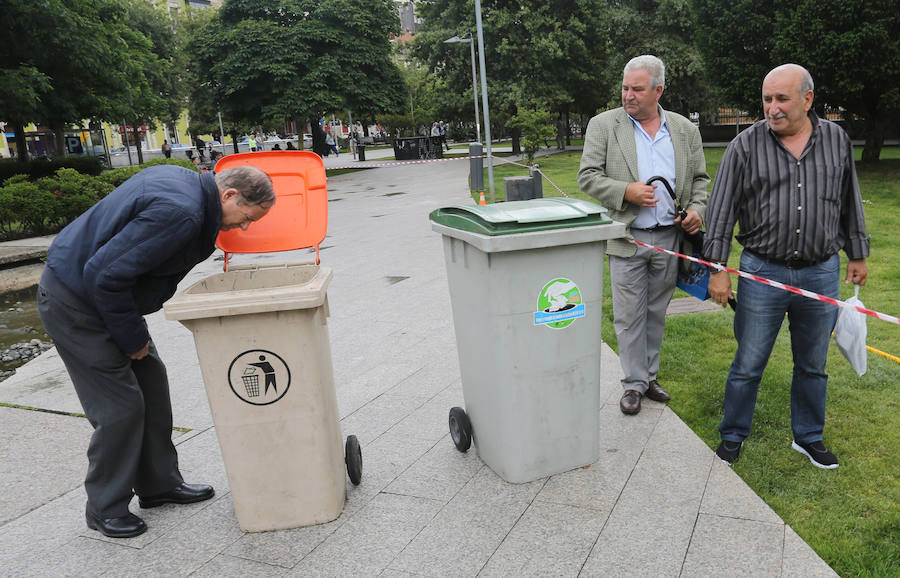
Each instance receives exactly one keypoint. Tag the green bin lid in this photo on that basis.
(521, 216)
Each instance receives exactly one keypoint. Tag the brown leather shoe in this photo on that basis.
(657, 393)
(630, 403)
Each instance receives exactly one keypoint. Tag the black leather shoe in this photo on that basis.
(657, 393)
(183, 494)
(630, 403)
(127, 526)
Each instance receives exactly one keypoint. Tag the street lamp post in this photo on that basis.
(471, 43)
(484, 99)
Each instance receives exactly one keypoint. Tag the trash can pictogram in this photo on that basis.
(251, 382)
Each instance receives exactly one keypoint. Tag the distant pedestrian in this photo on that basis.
(201, 148)
(167, 149)
(290, 146)
(354, 143)
(330, 145)
(251, 142)
(442, 131)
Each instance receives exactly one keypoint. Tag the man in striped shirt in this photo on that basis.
(790, 183)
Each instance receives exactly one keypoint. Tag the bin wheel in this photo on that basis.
(353, 459)
(460, 429)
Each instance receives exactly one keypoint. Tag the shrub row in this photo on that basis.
(38, 168)
(44, 205)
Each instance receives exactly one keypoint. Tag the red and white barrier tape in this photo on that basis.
(764, 281)
(717, 266)
(369, 165)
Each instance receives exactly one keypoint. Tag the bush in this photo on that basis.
(536, 129)
(27, 204)
(47, 204)
(38, 168)
(74, 193)
(116, 177)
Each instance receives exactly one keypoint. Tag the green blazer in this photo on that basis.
(609, 163)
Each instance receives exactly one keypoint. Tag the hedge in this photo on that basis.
(45, 205)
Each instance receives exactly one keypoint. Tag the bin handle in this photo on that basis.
(318, 261)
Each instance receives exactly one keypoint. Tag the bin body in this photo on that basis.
(262, 340)
(361, 151)
(531, 388)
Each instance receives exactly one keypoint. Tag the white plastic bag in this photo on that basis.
(850, 334)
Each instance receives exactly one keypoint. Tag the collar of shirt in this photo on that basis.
(814, 119)
(656, 157)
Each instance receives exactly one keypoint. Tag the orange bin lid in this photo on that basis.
(299, 218)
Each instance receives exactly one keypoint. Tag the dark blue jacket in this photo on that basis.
(125, 255)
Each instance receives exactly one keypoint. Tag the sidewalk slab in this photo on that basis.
(422, 508)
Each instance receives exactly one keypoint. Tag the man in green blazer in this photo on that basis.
(623, 148)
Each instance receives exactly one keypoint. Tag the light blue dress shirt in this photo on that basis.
(656, 157)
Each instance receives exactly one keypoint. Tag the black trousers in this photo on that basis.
(126, 401)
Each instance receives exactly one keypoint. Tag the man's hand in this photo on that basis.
(641, 194)
(692, 223)
(720, 287)
(856, 272)
(142, 353)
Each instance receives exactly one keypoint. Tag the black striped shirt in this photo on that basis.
(787, 208)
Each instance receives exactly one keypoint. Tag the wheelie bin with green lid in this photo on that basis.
(526, 289)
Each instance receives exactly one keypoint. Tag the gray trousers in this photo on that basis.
(642, 287)
(126, 401)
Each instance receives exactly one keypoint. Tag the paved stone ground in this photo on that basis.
(657, 503)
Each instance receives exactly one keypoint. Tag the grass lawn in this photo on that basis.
(851, 515)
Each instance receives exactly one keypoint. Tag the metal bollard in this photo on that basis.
(476, 167)
(538, 183)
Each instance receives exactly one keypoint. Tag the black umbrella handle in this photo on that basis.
(679, 210)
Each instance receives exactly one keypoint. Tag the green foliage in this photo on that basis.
(536, 130)
(667, 30)
(850, 47)
(179, 162)
(117, 176)
(47, 204)
(28, 204)
(297, 62)
(37, 168)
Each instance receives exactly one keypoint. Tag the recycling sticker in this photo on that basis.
(559, 304)
(259, 377)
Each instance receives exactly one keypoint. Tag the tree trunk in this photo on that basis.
(21, 144)
(137, 142)
(568, 132)
(59, 135)
(516, 134)
(874, 131)
(318, 144)
(560, 132)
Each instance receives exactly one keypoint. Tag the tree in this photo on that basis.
(539, 54)
(852, 50)
(666, 29)
(298, 59)
(77, 60)
(153, 49)
(536, 129)
(850, 47)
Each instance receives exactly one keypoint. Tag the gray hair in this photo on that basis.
(653, 65)
(254, 186)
